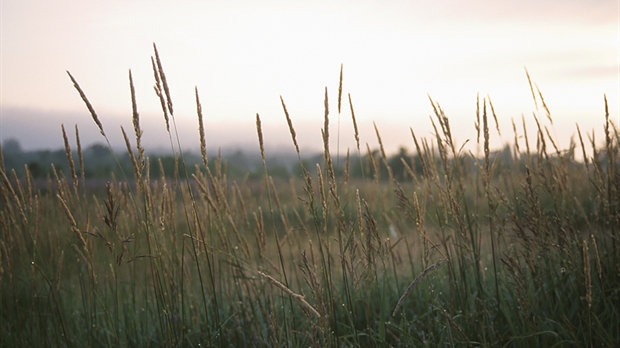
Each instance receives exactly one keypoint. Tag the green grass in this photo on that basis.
(516, 248)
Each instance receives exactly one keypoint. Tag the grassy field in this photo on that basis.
(518, 248)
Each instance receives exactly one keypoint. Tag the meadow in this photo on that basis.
(518, 248)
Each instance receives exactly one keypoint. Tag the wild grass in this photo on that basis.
(517, 248)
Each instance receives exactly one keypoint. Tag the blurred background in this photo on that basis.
(243, 55)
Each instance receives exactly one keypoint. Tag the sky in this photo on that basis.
(243, 55)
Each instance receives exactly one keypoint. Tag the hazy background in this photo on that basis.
(242, 55)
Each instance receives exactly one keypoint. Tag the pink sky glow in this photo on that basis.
(243, 55)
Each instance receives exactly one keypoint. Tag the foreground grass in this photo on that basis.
(517, 250)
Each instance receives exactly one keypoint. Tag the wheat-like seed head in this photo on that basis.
(70, 159)
(477, 123)
(529, 80)
(527, 142)
(201, 130)
(583, 148)
(160, 94)
(259, 130)
(415, 281)
(322, 190)
(514, 130)
(542, 100)
(88, 105)
(326, 124)
(72, 222)
(136, 123)
(290, 126)
(373, 163)
(164, 82)
(291, 293)
(79, 150)
(13, 195)
(136, 167)
(485, 128)
(357, 134)
(494, 116)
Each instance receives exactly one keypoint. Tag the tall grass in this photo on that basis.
(514, 248)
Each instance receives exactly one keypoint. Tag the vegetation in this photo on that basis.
(514, 248)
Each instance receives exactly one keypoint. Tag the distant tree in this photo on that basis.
(398, 168)
(98, 151)
(11, 146)
(36, 170)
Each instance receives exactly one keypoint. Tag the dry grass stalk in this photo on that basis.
(285, 222)
(312, 280)
(599, 269)
(454, 325)
(409, 171)
(291, 129)
(70, 159)
(136, 123)
(322, 193)
(326, 154)
(494, 116)
(88, 105)
(586, 272)
(58, 270)
(542, 100)
(13, 196)
(201, 131)
(59, 185)
(20, 190)
(519, 282)
(527, 142)
(259, 130)
(160, 94)
(485, 126)
(583, 149)
(259, 232)
(541, 146)
(241, 202)
(516, 144)
(72, 222)
(529, 81)
(420, 214)
(611, 152)
(383, 155)
(29, 187)
(136, 167)
(326, 122)
(291, 293)
(164, 82)
(421, 157)
(477, 123)
(1, 158)
(340, 88)
(555, 147)
(373, 164)
(373, 245)
(444, 122)
(79, 151)
(357, 134)
(347, 163)
(415, 281)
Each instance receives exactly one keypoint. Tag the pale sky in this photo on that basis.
(242, 55)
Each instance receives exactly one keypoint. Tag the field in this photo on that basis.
(515, 248)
